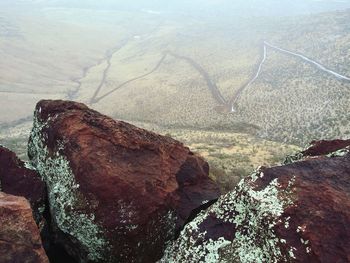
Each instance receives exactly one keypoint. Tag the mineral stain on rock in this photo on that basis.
(298, 212)
(116, 191)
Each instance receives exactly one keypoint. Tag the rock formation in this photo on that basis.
(117, 193)
(17, 178)
(318, 148)
(298, 212)
(19, 236)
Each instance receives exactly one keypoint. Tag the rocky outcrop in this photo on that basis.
(19, 236)
(298, 212)
(117, 193)
(324, 147)
(18, 178)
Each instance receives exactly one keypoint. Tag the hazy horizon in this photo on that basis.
(135, 118)
(278, 70)
(197, 7)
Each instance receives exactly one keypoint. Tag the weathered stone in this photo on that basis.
(19, 179)
(323, 147)
(19, 236)
(117, 193)
(299, 212)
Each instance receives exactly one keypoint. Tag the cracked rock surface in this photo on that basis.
(299, 212)
(117, 193)
(19, 235)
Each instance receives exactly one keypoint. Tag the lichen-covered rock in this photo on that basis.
(324, 147)
(19, 236)
(329, 148)
(117, 193)
(299, 212)
(17, 178)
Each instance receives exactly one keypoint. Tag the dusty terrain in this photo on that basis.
(180, 76)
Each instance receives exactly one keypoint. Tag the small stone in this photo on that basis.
(19, 235)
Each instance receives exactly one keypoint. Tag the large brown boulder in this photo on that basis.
(18, 178)
(298, 212)
(19, 235)
(117, 193)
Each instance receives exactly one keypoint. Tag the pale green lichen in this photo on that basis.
(29, 166)
(301, 228)
(204, 202)
(286, 223)
(291, 252)
(306, 243)
(186, 249)
(41, 209)
(63, 195)
(293, 158)
(162, 228)
(339, 153)
(299, 156)
(256, 214)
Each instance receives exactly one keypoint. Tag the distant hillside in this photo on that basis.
(291, 100)
(181, 71)
(294, 100)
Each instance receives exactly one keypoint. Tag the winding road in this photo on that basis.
(96, 99)
(72, 95)
(109, 56)
(266, 45)
(211, 85)
(313, 62)
(238, 93)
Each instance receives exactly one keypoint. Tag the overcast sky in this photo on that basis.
(203, 7)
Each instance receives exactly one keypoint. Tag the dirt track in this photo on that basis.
(212, 87)
(210, 84)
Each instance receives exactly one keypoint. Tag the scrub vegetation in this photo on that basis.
(177, 70)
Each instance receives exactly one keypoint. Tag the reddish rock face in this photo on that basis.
(323, 147)
(294, 213)
(19, 236)
(117, 193)
(17, 179)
